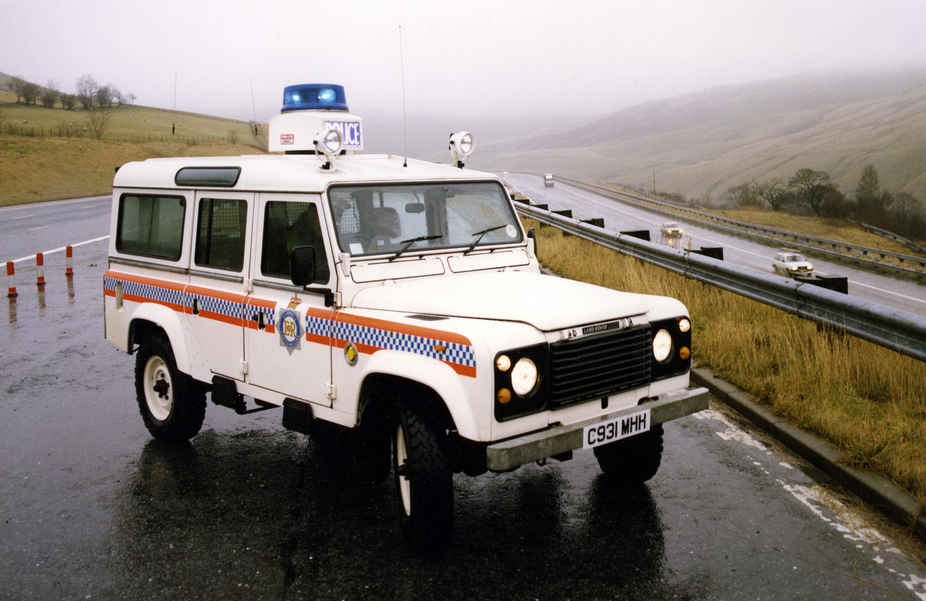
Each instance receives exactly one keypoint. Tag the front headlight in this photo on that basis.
(524, 376)
(520, 384)
(671, 347)
(662, 345)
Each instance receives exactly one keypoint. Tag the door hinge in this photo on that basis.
(244, 367)
(332, 391)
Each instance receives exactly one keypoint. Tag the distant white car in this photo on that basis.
(548, 180)
(790, 263)
(670, 229)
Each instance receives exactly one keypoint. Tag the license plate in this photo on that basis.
(615, 429)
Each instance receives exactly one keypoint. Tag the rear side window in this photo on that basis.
(220, 235)
(151, 225)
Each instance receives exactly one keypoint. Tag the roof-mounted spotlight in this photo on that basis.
(461, 146)
(328, 143)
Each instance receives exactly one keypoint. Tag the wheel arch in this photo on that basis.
(429, 385)
(153, 320)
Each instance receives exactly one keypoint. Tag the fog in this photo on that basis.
(508, 66)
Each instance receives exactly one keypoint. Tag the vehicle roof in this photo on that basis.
(291, 173)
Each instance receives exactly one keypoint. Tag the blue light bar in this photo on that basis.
(314, 96)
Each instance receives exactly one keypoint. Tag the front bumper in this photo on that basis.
(509, 454)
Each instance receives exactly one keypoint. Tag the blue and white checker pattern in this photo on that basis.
(458, 354)
(218, 305)
(155, 293)
(317, 326)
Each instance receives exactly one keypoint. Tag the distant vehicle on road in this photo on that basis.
(670, 229)
(548, 180)
(790, 263)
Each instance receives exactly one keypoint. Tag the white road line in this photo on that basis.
(57, 250)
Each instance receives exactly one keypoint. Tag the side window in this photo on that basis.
(286, 226)
(151, 225)
(221, 232)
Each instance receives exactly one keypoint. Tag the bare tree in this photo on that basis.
(16, 86)
(743, 195)
(50, 94)
(31, 92)
(129, 99)
(774, 193)
(813, 188)
(86, 91)
(68, 101)
(104, 96)
(98, 121)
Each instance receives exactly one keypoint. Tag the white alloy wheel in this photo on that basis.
(158, 388)
(401, 459)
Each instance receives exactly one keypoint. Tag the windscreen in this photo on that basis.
(403, 218)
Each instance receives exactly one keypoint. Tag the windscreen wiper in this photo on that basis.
(479, 236)
(411, 241)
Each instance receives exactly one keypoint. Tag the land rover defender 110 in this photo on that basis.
(395, 307)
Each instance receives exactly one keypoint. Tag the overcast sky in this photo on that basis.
(471, 59)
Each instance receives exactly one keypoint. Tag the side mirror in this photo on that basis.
(302, 265)
(533, 236)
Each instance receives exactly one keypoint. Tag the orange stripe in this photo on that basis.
(392, 326)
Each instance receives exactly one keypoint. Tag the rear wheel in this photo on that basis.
(424, 480)
(632, 460)
(172, 405)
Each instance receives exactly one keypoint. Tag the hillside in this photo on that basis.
(701, 144)
(43, 156)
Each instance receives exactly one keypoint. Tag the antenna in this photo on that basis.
(404, 116)
(253, 107)
(173, 128)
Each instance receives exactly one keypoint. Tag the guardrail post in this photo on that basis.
(69, 261)
(714, 252)
(11, 280)
(39, 270)
(641, 234)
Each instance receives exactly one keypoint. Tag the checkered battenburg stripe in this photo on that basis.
(455, 353)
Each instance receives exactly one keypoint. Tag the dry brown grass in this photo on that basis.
(868, 401)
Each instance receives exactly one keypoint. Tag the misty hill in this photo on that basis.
(702, 144)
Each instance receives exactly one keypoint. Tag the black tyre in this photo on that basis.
(172, 405)
(424, 481)
(632, 460)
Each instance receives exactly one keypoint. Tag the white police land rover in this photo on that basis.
(380, 302)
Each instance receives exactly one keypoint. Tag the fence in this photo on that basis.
(62, 132)
(891, 328)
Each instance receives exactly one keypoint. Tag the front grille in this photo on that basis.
(600, 365)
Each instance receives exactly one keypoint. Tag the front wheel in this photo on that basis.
(424, 481)
(633, 460)
(172, 405)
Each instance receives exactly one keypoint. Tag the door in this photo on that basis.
(288, 331)
(215, 295)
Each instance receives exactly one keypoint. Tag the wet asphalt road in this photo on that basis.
(92, 508)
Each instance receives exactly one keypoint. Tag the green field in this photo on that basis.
(38, 164)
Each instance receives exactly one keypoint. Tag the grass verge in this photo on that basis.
(868, 401)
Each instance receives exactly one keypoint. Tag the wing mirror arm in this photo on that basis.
(302, 272)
